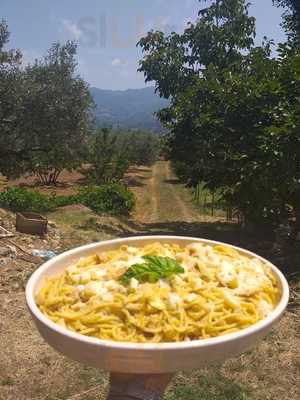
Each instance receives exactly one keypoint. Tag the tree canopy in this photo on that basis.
(234, 115)
(291, 19)
(45, 112)
(11, 87)
(111, 152)
(58, 112)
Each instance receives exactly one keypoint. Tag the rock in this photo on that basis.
(5, 251)
(13, 251)
(4, 261)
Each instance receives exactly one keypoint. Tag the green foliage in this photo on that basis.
(62, 201)
(11, 92)
(7, 57)
(108, 162)
(234, 115)
(209, 202)
(152, 270)
(39, 134)
(60, 127)
(291, 19)
(19, 199)
(142, 148)
(175, 62)
(114, 199)
(111, 152)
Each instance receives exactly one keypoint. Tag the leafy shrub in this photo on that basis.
(19, 199)
(113, 199)
(62, 201)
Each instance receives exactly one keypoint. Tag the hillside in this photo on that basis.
(132, 108)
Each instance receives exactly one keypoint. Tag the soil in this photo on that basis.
(67, 185)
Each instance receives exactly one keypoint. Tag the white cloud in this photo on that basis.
(71, 29)
(117, 62)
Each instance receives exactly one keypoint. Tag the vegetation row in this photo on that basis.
(114, 199)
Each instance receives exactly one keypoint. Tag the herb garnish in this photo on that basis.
(152, 270)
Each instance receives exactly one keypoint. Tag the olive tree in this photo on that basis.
(45, 112)
(11, 99)
(58, 113)
(107, 160)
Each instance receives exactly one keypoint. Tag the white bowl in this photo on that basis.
(145, 358)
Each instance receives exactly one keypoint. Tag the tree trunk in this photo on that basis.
(49, 178)
(56, 175)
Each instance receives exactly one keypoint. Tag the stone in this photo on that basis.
(4, 261)
(5, 251)
(52, 224)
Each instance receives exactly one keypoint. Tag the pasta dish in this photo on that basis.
(161, 292)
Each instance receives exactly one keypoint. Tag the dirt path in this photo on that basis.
(162, 198)
(186, 213)
(152, 214)
(165, 206)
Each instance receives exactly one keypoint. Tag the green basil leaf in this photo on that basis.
(154, 268)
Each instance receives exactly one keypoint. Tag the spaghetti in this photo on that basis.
(217, 291)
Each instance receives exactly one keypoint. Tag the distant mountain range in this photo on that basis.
(132, 108)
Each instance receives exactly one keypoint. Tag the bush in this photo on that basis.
(113, 199)
(62, 201)
(19, 199)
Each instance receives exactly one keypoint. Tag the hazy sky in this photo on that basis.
(108, 30)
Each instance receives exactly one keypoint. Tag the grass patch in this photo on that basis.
(209, 203)
(210, 387)
(90, 224)
(7, 382)
(90, 377)
(78, 226)
(71, 218)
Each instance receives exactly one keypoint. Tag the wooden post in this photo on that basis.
(213, 204)
(138, 387)
(204, 202)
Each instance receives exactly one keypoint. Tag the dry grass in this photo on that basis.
(30, 369)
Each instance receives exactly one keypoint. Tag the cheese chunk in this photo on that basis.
(227, 275)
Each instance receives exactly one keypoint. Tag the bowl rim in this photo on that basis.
(109, 344)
